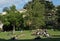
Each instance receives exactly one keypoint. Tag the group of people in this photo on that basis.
(42, 32)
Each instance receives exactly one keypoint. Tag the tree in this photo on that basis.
(49, 5)
(5, 9)
(50, 14)
(36, 12)
(13, 17)
(58, 17)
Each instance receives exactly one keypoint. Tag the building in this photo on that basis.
(3, 13)
(22, 10)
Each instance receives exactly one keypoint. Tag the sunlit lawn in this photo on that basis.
(27, 34)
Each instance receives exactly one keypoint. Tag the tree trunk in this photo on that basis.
(13, 29)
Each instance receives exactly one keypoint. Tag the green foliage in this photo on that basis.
(58, 17)
(58, 11)
(49, 5)
(35, 17)
(5, 9)
(50, 14)
(36, 12)
(13, 17)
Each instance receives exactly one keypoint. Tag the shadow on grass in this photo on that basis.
(45, 39)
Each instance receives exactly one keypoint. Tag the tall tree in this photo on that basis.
(58, 16)
(13, 17)
(50, 16)
(36, 11)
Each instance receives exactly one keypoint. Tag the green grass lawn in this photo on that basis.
(26, 35)
(54, 34)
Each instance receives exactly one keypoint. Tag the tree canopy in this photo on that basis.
(36, 12)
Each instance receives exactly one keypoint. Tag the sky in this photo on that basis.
(19, 3)
(56, 2)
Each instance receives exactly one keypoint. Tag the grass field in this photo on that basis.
(26, 36)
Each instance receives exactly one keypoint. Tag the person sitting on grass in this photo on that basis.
(45, 33)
